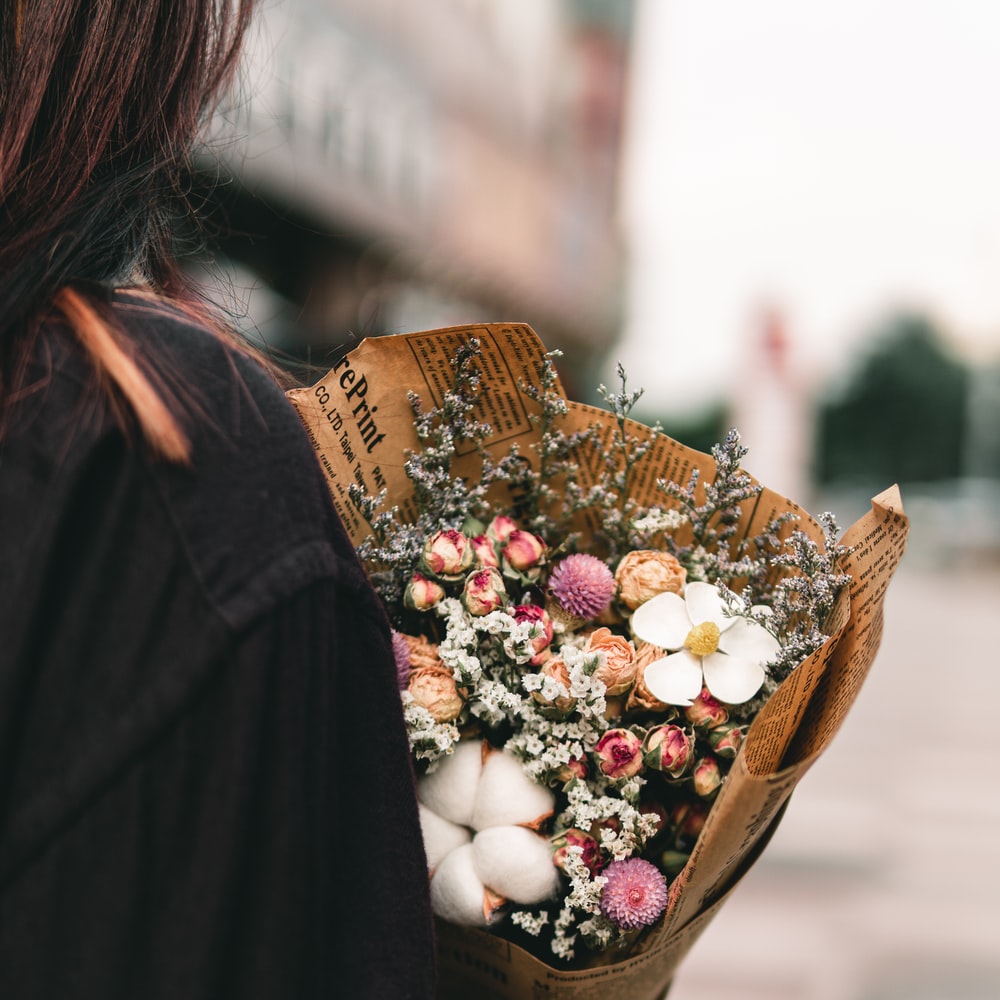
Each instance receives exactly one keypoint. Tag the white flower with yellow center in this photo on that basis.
(705, 647)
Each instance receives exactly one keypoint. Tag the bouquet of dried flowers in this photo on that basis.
(579, 669)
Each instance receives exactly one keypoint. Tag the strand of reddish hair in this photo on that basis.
(159, 426)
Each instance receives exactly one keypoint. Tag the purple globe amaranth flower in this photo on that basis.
(448, 553)
(668, 749)
(484, 592)
(635, 893)
(582, 586)
(619, 753)
(401, 654)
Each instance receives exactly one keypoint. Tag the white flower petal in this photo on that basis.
(450, 789)
(506, 795)
(675, 679)
(515, 863)
(457, 891)
(705, 604)
(440, 836)
(749, 641)
(663, 620)
(732, 679)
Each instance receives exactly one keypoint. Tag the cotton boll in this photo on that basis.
(507, 796)
(457, 893)
(440, 836)
(515, 863)
(450, 789)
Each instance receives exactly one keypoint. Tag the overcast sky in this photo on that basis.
(835, 159)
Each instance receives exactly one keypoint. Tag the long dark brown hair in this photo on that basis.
(101, 102)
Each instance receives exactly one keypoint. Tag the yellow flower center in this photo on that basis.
(703, 639)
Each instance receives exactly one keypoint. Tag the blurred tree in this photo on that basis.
(902, 416)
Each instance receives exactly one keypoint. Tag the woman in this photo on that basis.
(204, 781)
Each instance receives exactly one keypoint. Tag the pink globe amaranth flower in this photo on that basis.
(422, 593)
(448, 553)
(542, 638)
(486, 554)
(706, 712)
(619, 753)
(484, 592)
(635, 894)
(523, 551)
(707, 777)
(401, 654)
(582, 586)
(668, 749)
(590, 849)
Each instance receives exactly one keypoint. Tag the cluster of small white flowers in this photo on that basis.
(429, 739)
(493, 702)
(531, 923)
(656, 520)
(586, 807)
(583, 899)
(456, 649)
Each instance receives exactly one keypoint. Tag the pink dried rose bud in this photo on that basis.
(562, 705)
(645, 573)
(486, 554)
(590, 849)
(484, 592)
(575, 767)
(688, 819)
(523, 553)
(448, 553)
(707, 777)
(542, 637)
(635, 893)
(618, 664)
(500, 528)
(422, 593)
(668, 749)
(619, 753)
(435, 690)
(706, 712)
(582, 586)
(727, 739)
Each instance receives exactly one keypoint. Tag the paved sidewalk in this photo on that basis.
(882, 882)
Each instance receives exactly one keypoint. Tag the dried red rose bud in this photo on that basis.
(484, 592)
(448, 554)
(707, 777)
(422, 593)
(619, 753)
(542, 637)
(500, 528)
(591, 851)
(523, 553)
(486, 554)
(705, 712)
(688, 819)
(727, 739)
(668, 749)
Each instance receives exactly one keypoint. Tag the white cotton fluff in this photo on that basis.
(450, 789)
(457, 892)
(516, 863)
(507, 796)
(440, 836)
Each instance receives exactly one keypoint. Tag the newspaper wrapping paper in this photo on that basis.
(360, 422)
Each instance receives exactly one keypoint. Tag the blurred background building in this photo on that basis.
(400, 166)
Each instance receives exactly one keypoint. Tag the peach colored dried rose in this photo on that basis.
(423, 653)
(640, 695)
(645, 573)
(434, 689)
(617, 668)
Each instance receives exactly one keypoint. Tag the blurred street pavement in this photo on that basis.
(882, 881)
